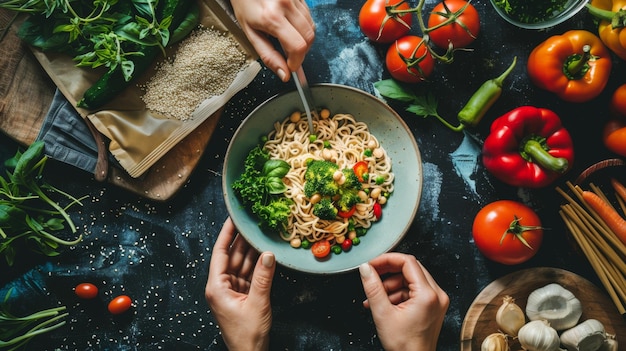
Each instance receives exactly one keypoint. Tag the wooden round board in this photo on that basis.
(480, 321)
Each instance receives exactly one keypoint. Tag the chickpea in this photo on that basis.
(337, 175)
(375, 193)
(295, 242)
(371, 144)
(315, 198)
(340, 239)
(382, 200)
(351, 235)
(378, 153)
(327, 154)
(291, 128)
(295, 117)
(362, 195)
(325, 113)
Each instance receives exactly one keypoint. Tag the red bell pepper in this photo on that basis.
(575, 65)
(528, 147)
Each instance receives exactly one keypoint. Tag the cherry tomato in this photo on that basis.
(380, 25)
(321, 249)
(346, 245)
(618, 102)
(346, 214)
(86, 291)
(120, 304)
(463, 28)
(507, 232)
(408, 60)
(361, 170)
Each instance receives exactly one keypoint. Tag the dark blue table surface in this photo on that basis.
(158, 252)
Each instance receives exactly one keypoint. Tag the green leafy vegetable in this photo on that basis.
(261, 189)
(27, 212)
(15, 331)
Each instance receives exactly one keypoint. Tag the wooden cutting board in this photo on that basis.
(480, 318)
(26, 92)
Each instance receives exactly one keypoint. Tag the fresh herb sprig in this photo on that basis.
(15, 331)
(27, 213)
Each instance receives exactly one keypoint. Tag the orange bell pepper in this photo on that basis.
(575, 65)
(612, 16)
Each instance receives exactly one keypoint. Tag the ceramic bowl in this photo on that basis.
(571, 8)
(394, 136)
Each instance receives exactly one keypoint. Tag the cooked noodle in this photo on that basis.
(348, 139)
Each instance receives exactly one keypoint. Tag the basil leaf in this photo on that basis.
(276, 168)
(392, 89)
(275, 185)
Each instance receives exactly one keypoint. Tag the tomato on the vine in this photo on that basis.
(378, 22)
(507, 232)
(409, 60)
(462, 27)
(617, 105)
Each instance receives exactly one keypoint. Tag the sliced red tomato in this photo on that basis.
(321, 249)
(346, 214)
(361, 169)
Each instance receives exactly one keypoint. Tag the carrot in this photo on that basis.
(620, 189)
(609, 215)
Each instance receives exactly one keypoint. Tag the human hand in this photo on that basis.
(408, 307)
(289, 21)
(238, 291)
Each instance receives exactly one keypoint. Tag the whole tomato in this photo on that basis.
(507, 232)
(120, 304)
(614, 133)
(86, 291)
(378, 22)
(459, 21)
(408, 59)
(617, 106)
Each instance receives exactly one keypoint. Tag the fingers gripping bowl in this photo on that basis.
(394, 136)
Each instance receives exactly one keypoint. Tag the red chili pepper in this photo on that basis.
(528, 147)
(575, 65)
(378, 210)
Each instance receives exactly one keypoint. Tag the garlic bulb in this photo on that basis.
(510, 316)
(538, 335)
(495, 342)
(554, 304)
(586, 336)
(610, 344)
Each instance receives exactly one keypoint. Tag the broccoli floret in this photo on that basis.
(349, 198)
(319, 178)
(256, 158)
(352, 181)
(325, 209)
(275, 214)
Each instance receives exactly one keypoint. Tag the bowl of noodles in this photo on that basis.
(354, 128)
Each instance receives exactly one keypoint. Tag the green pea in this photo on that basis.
(305, 244)
(356, 241)
(380, 180)
(336, 249)
(312, 137)
(367, 152)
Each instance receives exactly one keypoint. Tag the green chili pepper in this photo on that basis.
(483, 99)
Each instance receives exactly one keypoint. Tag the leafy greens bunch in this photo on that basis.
(27, 213)
(261, 189)
(123, 36)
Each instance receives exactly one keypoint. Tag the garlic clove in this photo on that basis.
(495, 342)
(510, 317)
(586, 336)
(538, 335)
(554, 304)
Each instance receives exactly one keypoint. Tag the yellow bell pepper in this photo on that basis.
(612, 16)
